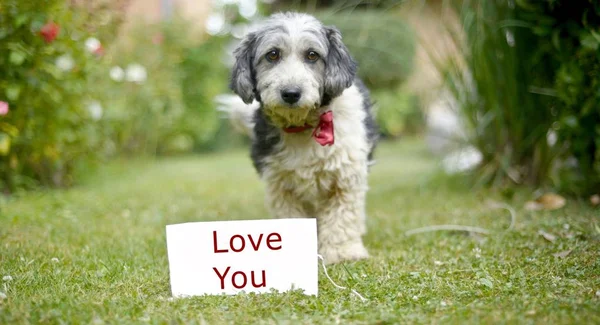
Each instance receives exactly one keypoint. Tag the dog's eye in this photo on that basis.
(273, 55)
(312, 56)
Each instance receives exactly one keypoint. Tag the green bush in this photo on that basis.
(398, 113)
(48, 130)
(204, 76)
(565, 38)
(381, 42)
(142, 98)
(532, 74)
(170, 110)
(70, 107)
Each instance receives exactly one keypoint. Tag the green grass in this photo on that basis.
(108, 236)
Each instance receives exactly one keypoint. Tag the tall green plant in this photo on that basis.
(505, 121)
(565, 41)
(529, 107)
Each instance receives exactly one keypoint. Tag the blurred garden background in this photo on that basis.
(506, 89)
(110, 129)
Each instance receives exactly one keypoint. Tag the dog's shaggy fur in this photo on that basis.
(304, 178)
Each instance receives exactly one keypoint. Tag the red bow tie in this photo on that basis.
(323, 133)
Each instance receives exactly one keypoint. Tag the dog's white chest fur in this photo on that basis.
(311, 172)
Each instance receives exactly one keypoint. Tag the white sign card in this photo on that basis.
(228, 257)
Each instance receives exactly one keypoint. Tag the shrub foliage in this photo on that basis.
(47, 130)
(529, 91)
(170, 110)
(68, 99)
(381, 42)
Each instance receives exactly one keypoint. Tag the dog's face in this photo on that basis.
(292, 64)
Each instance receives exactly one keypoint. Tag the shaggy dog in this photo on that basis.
(312, 129)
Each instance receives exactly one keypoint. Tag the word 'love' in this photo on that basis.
(237, 243)
(255, 243)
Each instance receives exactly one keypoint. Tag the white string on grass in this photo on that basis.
(447, 227)
(335, 284)
(493, 205)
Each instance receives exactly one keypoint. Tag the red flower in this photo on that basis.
(49, 32)
(3, 108)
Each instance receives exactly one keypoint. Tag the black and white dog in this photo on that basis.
(312, 127)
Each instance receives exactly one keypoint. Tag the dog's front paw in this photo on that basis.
(346, 252)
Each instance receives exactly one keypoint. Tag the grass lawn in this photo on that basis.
(97, 253)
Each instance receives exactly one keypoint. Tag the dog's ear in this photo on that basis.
(340, 67)
(242, 74)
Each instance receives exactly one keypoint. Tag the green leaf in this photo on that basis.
(590, 42)
(595, 34)
(13, 92)
(16, 57)
(526, 5)
(556, 39)
(9, 129)
(21, 20)
(588, 106)
(4, 144)
(486, 282)
(571, 121)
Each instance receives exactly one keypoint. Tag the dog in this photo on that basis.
(311, 124)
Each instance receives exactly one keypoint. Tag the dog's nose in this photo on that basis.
(291, 95)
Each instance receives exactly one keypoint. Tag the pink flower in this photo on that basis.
(49, 32)
(3, 108)
(99, 51)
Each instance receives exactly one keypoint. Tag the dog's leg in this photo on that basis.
(341, 222)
